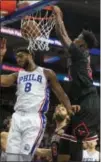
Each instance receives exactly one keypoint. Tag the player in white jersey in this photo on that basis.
(61, 118)
(29, 121)
(90, 157)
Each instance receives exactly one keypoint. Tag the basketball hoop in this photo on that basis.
(37, 27)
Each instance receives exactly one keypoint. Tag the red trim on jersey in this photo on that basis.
(69, 137)
(92, 138)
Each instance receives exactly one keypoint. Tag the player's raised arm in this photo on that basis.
(60, 28)
(8, 80)
(3, 48)
(43, 152)
(79, 47)
(5, 80)
(23, 3)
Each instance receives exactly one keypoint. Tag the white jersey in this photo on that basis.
(32, 91)
(91, 156)
(3, 156)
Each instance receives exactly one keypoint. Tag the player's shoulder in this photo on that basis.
(97, 155)
(74, 48)
(20, 72)
(84, 151)
(49, 73)
(97, 152)
(15, 74)
(43, 69)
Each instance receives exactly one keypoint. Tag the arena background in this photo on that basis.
(77, 15)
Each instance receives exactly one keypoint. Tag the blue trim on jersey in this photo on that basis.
(43, 117)
(47, 101)
(43, 125)
(44, 120)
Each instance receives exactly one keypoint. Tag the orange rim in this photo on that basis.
(49, 8)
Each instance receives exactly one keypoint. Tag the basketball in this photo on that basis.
(30, 28)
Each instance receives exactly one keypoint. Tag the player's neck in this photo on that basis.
(91, 150)
(60, 124)
(31, 66)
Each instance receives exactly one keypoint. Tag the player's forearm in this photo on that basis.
(8, 80)
(66, 102)
(64, 99)
(2, 81)
(62, 33)
(22, 4)
(43, 152)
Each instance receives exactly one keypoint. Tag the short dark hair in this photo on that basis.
(22, 49)
(89, 38)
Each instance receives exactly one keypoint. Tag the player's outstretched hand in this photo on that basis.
(75, 108)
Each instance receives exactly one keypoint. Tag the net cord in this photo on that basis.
(46, 25)
(17, 15)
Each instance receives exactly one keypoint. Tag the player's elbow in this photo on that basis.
(4, 82)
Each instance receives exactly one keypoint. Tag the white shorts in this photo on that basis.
(26, 133)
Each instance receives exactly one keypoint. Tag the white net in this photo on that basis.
(36, 28)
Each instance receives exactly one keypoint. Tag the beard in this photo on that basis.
(59, 117)
(25, 66)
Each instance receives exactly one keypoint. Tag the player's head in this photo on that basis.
(86, 40)
(23, 57)
(91, 144)
(60, 113)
